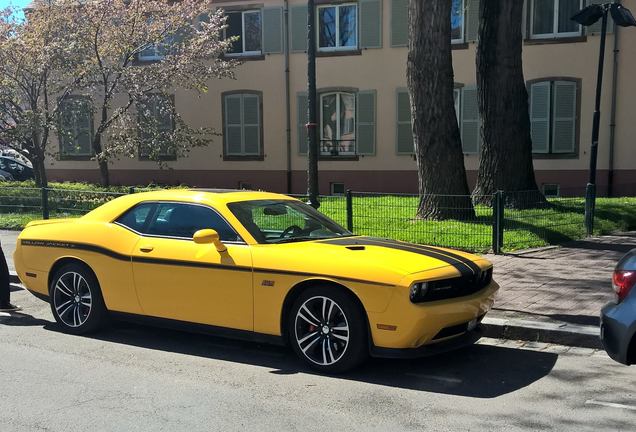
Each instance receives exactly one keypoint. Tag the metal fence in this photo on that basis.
(503, 221)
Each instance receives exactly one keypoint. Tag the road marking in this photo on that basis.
(437, 378)
(610, 404)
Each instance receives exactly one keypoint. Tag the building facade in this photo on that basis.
(365, 132)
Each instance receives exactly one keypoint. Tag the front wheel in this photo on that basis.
(76, 299)
(327, 330)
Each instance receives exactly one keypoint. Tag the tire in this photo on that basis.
(76, 299)
(328, 330)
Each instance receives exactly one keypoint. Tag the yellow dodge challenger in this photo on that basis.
(255, 265)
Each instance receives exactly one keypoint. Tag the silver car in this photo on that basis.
(618, 318)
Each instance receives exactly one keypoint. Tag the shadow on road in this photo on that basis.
(480, 371)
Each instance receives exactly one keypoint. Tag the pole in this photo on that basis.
(312, 145)
(590, 192)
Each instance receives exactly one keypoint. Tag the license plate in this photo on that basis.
(471, 325)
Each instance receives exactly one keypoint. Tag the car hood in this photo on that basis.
(368, 258)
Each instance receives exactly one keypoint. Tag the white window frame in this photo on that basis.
(75, 130)
(339, 127)
(241, 97)
(337, 47)
(243, 13)
(462, 37)
(555, 24)
(457, 94)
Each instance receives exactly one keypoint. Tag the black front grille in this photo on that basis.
(457, 287)
(455, 330)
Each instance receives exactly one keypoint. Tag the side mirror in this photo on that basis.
(209, 236)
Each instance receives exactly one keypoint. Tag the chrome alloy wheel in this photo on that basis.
(322, 330)
(72, 299)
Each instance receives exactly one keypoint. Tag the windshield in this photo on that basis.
(280, 221)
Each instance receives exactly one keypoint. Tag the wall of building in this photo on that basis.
(384, 70)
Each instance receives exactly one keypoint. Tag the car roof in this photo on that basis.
(212, 197)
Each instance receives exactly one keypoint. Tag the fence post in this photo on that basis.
(349, 196)
(497, 222)
(45, 203)
(131, 190)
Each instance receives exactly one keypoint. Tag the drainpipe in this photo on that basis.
(287, 97)
(612, 137)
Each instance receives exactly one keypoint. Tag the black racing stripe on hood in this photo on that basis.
(465, 267)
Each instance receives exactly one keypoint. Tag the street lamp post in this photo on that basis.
(312, 136)
(586, 17)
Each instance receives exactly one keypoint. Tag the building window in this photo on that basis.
(338, 124)
(551, 18)
(76, 127)
(247, 27)
(338, 27)
(551, 190)
(337, 188)
(242, 113)
(155, 51)
(156, 125)
(457, 21)
(553, 116)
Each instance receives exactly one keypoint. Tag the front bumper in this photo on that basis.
(466, 339)
(617, 329)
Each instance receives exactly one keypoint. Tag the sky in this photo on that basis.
(15, 3)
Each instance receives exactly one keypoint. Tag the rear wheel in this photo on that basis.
(76, 299)
(327, 330)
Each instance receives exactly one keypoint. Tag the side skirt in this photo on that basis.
(205, 329)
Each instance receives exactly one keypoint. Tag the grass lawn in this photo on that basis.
(383, 216)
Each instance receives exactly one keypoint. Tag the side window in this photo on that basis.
(135, 218)
(183, 220)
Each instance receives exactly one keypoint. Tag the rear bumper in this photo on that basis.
(464, 340)
(617, 330)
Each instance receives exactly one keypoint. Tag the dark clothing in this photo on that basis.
(5, 288)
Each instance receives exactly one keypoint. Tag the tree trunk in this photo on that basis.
(506, 151)
(39, 171)
(443, 188)
(104, 174)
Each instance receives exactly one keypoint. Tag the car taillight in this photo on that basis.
(622, 282)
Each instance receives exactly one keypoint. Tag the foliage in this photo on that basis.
(35, 79)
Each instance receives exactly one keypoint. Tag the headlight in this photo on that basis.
(418, 291)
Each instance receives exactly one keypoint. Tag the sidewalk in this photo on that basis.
(552, 294)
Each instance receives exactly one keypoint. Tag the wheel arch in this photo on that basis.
(61, 262)
(298, 289)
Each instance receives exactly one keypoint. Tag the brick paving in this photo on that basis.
(569, 283)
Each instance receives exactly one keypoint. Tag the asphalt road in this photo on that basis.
(134, 378)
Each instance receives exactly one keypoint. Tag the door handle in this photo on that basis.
(146, 248)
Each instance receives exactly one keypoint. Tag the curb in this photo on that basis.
(534, 331)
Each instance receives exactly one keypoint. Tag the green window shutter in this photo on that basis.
(233, 124)
(84, 128)
(298, 28)
(399, 23)
(273, 30)
(251, 125)
(470, 122)
(595, 29)
(471, 16)
(540, 116)
(302, 107)
(371, 23)
(366, 111)
(404, 126)
(564, 117)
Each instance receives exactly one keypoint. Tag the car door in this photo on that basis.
(178, 279)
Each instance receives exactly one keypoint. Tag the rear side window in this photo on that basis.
(136, 218)
(183, 220)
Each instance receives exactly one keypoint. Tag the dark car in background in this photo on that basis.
(5, 176)
(618, 318)
(17, 169)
